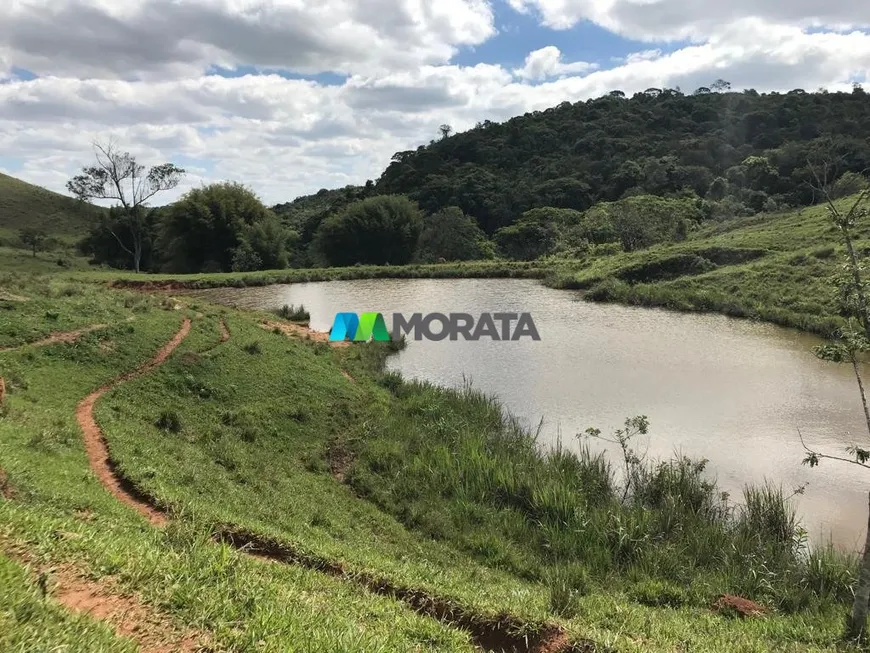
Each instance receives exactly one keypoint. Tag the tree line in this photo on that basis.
(611, 173)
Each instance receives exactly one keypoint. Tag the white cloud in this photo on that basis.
(547, 62)
(664, 20)
(168, 38)
(133, 70)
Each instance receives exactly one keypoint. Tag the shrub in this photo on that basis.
(253, 348)
(169, 421)
(608, 290)
(566, 584)
(293, 313)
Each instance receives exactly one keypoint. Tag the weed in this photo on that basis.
(168, 421)
(293, 313)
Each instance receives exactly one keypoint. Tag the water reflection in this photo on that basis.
(732, 391)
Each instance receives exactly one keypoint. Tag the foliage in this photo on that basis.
(104, 242)
(450, 235)
(540, 232)
(33, 239)
(378, 230)
(749, 146)
(293, 313)
(222, 227)
(640, 221)
(118, 176)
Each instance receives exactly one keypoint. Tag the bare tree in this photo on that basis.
(118, 176)
(445, 130)
(847, 346)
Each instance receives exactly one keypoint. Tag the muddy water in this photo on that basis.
(732, 391)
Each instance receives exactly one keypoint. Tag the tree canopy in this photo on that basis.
(659, 142)
(377, 230)
(202, 231)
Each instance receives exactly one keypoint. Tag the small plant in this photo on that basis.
(566, 585)
(397, 344)
(51, 315)
(392, 381)
(168, 421)
(254, 348)
(293, 313)
(657, 593)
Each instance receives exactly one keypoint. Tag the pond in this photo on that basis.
(732, 391)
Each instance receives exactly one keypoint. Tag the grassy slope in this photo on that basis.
(25, 205)
(252, 449)
(788, 285)
(61, 513)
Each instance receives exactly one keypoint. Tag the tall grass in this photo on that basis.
(452, 463)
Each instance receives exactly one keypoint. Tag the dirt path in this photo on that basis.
(67, 337)
(489, 634)
(152, 631)
(95, 441)
(105, 601)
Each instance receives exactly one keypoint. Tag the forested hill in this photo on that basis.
(747, 148)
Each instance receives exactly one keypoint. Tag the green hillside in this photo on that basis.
(26, 205)
(267, 492)
(749, 149)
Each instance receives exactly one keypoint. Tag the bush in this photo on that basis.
(168, 421)
(293, 313)
(566, 584)
(378, 230)
(608, 290)
(254, 348)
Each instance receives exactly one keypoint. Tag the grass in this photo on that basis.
(61, 514)
(443, 494)
(294, 313)
(25, 205)
(29, 623)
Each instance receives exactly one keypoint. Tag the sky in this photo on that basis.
(291, 96)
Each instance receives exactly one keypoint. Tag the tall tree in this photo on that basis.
(378, 230)
(118, 176)
(202, 230)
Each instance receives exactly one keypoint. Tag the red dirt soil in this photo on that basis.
(95, 441)
(130, 618)
(67, 337)
(104, 601)
(739, 605)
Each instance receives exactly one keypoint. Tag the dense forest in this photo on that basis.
(752, 147)
(609, 172)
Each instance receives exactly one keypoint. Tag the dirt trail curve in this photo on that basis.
(487, 634)
(67, 337)
(95, 441)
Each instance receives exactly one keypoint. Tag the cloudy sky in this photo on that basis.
(290, 96)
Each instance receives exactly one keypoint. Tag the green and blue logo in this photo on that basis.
(433, 326)
(360, 328)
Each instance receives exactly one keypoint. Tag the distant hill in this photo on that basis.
(26, 205)
(749, 147)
